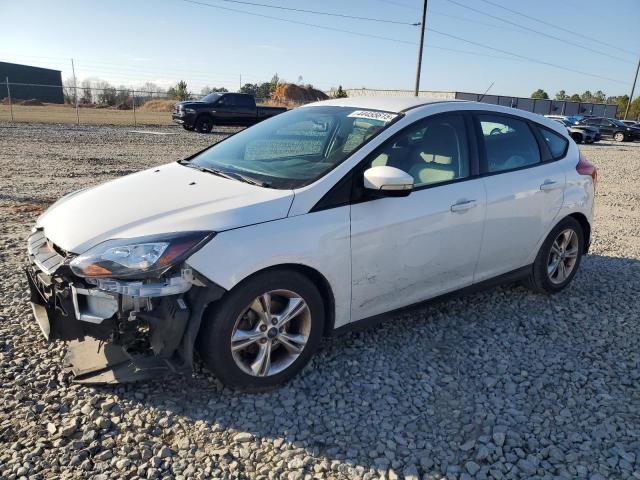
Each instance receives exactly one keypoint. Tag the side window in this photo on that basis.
(244, 101)
(557, 143)
(224, 100)
(509, 143)
(231, 100)
(433, 150)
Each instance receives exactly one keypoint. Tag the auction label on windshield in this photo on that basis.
(373, 115)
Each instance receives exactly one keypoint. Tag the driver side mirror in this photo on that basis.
(385, 181)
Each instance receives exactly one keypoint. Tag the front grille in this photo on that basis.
(43, 253)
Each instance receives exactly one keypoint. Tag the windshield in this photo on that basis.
(212, 97)
(295, 148)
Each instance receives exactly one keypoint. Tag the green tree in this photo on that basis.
(540, 94)
(250, 88)
(181, 92)
(574, 98)
(340, 93)
(273, 84)
(599, 96)
(207, 90)
(587, 96)
(562, 95)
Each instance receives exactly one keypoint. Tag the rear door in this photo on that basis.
(524, 187)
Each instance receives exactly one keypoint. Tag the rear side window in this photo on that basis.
(557, 143)
(509, 144)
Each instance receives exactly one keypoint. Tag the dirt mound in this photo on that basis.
(158, 106)
(291, 93)
(32, 103)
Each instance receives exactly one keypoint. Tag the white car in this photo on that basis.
(309, 223)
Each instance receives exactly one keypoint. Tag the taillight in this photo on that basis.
(584, 167)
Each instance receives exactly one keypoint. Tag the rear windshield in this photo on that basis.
(297, 147)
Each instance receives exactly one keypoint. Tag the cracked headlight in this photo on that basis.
(142, 257)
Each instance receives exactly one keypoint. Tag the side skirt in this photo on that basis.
(365, 323)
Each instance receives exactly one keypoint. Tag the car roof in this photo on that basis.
(387, 104)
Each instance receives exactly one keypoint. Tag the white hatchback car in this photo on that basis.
(308, 223)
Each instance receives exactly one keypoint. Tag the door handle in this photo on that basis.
(463, 206)
(550, 185)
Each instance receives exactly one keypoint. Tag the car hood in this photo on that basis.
(169, 198)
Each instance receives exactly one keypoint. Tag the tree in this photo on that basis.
(586, 97)
(106, 93)
(180, 91)
(340, 93)
(562, 95)
(207, 90)
(599, 97)
(69, 91)
(250, 88)
(273, 84)
(86, 96)
(540, 94)
(574, 98)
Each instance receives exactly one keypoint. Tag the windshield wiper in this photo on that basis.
(229, 175)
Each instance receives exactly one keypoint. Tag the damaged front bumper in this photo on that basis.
(118, 330)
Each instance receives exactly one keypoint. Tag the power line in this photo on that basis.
(313, 25)
(542, 62)
(316, 12)
(549, 24)
(538, 31)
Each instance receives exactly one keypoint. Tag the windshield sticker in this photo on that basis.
(373, 115)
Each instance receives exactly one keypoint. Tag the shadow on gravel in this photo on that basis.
(437, 386)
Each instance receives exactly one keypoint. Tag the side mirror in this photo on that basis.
(385, 181)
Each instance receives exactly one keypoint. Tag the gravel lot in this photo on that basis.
(500, 384)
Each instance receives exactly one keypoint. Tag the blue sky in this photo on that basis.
(130, 42)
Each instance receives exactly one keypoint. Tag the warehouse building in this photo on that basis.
(543, 107)
(27, 82)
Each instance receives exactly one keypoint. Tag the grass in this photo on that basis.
(88, 116)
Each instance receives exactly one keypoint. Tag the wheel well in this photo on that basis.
(586, 229)
(319, 281)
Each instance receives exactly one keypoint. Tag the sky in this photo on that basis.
(130, 42)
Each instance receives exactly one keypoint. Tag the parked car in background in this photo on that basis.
(328, 215)
(631, 123)
(581, 133)
(221, 109)
(614, 128)
(574, 119)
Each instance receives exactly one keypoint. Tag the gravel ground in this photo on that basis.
(500, 384)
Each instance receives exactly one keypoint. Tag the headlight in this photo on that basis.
(189, 110)
(142, 257)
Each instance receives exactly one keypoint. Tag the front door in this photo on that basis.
(409, 249)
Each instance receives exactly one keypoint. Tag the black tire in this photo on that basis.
(204, 124)
(619, 137)
(189, 128)
(214, 339)
(540, 280)
(576, 137)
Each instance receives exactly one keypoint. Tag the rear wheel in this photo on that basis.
(576, 137)
(187, 127)
(264, 331)
(619, 137)
(558, 259)
(204, 124)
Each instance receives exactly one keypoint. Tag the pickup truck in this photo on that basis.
(221, 109)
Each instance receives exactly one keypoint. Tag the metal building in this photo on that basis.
(27, 82)
(543, 107)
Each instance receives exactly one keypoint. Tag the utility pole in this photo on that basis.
(75, 89)
(422, 25)
(626, 112)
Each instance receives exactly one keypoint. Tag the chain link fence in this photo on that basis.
(22, 102)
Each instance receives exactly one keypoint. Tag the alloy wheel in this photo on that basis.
(563, 256)
(271, 333)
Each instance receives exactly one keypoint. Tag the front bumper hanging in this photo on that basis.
(118, 331)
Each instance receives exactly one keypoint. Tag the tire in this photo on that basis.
(618, 137)
(240, 310)
(189, 128)
(542, 279)
(204, 124)
(577, 137)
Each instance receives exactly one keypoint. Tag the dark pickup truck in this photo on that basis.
(221, 109)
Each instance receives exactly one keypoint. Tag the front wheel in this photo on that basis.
(619, 137)
(558, 258)
(188, 128)
(204, 124)
(576, 137)
(264, 331)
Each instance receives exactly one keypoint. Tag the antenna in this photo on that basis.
(485, 92)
